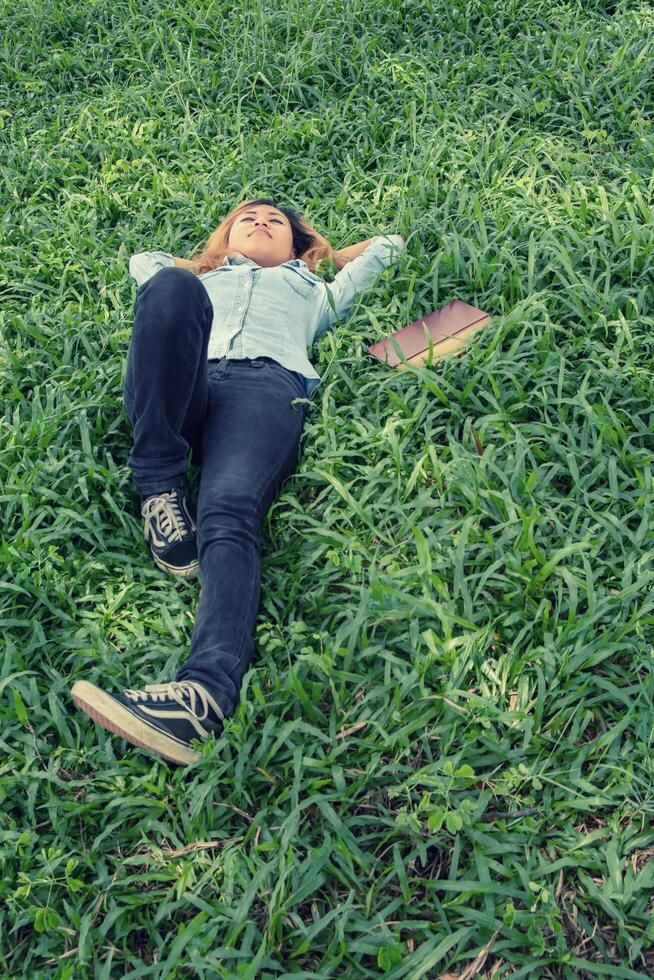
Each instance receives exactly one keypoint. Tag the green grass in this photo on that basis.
(444, 745)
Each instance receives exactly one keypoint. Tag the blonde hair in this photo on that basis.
(308, 243)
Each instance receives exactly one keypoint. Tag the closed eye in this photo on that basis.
(278, 220)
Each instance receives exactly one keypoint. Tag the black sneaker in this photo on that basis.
(162, 718)
(170, 529)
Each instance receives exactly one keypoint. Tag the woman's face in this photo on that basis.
(264, 234)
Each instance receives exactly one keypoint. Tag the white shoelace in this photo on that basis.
(175, 691)
(164, 516)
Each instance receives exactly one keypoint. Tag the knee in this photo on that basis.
(175, 289)
(174, 273)
(231, 509)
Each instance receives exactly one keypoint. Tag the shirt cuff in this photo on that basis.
(143, 265)
(392, 243)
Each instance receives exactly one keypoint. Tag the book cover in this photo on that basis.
(450, 329)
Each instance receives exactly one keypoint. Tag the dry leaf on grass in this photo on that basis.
(476, 965)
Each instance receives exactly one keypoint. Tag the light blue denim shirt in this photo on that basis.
(281, 310)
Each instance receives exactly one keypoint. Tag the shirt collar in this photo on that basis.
(237, 258)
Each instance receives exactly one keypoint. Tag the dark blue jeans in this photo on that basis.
(238, 420)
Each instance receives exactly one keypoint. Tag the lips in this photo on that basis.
(259, 229)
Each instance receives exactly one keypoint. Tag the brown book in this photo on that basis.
(450, 328)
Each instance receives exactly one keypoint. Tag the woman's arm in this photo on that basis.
(351, 252)
(356, 276)
(345, 254)
(184, 263)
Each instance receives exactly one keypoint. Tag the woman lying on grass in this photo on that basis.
(218, 366)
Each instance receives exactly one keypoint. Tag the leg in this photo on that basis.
(166, 382)
(251, 445)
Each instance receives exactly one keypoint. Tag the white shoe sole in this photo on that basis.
(99, 706)
(173, 570)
